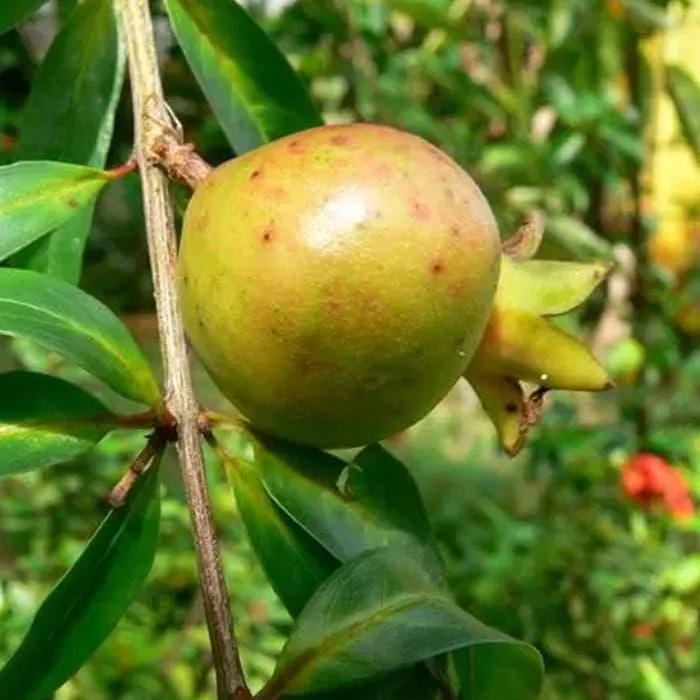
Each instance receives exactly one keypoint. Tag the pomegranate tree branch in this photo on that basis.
(151, 119)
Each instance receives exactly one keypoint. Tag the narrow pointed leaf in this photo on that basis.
(45, 421)
(252, 89)
(384, 486)
(37, 197)
(93, 595)
(685, 93)
(78, 85)
(379, 613)
(12, 12)
(547, 287)
(66, 320)
(379, 504)
(295, 564)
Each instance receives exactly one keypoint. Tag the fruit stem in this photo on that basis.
(150, 116)
(179, 160)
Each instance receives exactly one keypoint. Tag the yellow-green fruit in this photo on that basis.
(336, 283)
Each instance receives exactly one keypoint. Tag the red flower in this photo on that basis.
(648, 479)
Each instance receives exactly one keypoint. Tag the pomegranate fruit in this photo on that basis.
(336, 283)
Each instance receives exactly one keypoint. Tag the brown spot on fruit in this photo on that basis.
(438, 267)
(304, 365)
(73, 203)
(277, 192)
(436, 153)
(511, 408)
(457, 289)
(268, 233)
(383, 171)
(255, 174)
(339, 140)
(456, 230)
(420, 211)
(296, 146)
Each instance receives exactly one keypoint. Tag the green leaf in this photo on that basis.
(66, 320)
(381, 612)
(48, 421)
(416, 683)
(89, 600)
(252, 90)
(685, 94)
(568, 238)
(12, 12)
(37, 197)
(655, 683)
(78, 85)
(488, 672)
(295, 564)
(647, 14)
(379, 503)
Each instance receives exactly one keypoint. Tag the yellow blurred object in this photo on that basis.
(674, 173)
(675, 244)
(688, 319)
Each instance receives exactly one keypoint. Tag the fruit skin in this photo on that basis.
(335, 283)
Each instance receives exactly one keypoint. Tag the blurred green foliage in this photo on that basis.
(545, 102)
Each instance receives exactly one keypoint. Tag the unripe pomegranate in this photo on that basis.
(336, 283)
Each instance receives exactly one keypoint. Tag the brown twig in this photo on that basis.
(117, 496)
(148, 419)
(150, 114)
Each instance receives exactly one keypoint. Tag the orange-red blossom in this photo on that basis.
(650, 479)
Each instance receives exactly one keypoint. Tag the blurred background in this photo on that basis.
(588, 543)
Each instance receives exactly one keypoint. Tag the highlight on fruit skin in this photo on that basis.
(335, 283)
(521, 346)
